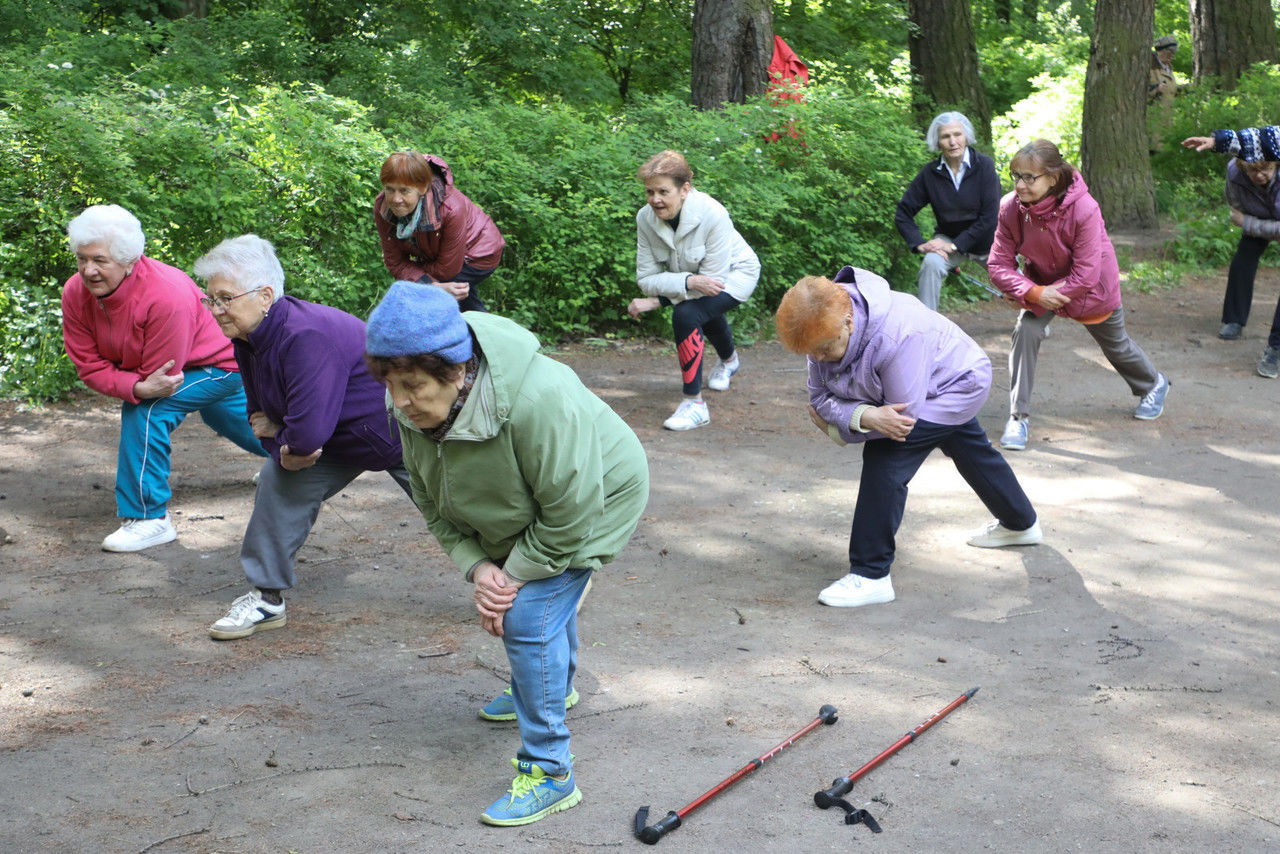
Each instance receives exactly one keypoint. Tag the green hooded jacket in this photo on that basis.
(537, 473)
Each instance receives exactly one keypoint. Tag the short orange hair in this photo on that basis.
(810, 312)
(408, 168)
(667, 164)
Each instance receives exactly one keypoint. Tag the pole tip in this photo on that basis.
(972, 691)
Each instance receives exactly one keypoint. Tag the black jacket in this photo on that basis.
(967, 215)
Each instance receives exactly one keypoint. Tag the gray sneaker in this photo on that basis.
(1152, 404)
(1016, 434)
(1269, 364)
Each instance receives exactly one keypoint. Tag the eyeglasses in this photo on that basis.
(222, 302)
(1025, 178)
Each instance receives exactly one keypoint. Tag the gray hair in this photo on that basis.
(931, 137)
(247, 260)
(111, 225)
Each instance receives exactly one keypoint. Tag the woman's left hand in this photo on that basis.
(704, 285)
(1198, 143)
(290, 461)
(495, 593)
(818, 420)
(1237, 217)
(1052, 299)
(459, 290)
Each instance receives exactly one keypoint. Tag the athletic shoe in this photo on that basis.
(1269, 364)
(854, 590)
(995, 536)
(533, 795)
(1229, 331)
(1016, 434)
(134, 535)
(503, 707)
(688, 415)
(720, 375)
(1152, 404)
(248, 614)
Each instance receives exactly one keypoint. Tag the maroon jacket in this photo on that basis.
(453, 230)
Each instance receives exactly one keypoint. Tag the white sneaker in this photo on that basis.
(721, 374)
(248, 614)
(1016, 434)
(688, 415)
(134, 535)
(995, 536)
(854, 590)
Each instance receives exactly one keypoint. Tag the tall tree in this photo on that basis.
(1227, 36)
(1113, 145)
(944, 62)
(732, 47)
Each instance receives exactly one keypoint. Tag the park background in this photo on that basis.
(209, 119)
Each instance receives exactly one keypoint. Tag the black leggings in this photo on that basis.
(691, 320)
(1239, 296)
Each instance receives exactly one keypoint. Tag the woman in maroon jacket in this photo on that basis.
(1068, 268)
(431, 232)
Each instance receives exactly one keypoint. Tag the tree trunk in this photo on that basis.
(732, 48)
(944, 63)
(1227, 36)
(1113, 145)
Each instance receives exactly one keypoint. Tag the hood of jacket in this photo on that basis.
(870, 297)
(507, 350)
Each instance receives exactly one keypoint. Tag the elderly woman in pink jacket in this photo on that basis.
(1068, 268)
(901, 380)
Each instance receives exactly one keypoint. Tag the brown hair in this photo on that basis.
(666, 164)
(428, 363)
(810, 312)
(1050, 159)
(406, 167)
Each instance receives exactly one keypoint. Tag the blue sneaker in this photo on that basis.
(1152, 404)
(503, 707)
(533, 795)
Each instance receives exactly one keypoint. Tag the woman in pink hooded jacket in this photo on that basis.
(1068, 268)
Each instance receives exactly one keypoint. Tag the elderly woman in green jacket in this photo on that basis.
(530, 483)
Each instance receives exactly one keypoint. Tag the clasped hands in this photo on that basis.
(495, 593)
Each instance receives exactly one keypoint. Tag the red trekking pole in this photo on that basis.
(832, 797)
(651, 835)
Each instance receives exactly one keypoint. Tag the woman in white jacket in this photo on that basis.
(689, 256)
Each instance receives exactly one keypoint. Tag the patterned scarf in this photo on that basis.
(425, 216)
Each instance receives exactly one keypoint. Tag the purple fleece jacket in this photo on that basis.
(899, 352)
(303, 367)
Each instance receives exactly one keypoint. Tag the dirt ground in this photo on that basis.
(1128, 666)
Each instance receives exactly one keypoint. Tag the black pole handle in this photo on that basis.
(828, 714)
(828, 798)
(651, 834)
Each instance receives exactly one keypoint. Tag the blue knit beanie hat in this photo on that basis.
(413, 319)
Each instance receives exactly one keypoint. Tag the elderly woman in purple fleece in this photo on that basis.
(887, 372)
(312, 404)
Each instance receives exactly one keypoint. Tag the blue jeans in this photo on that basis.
(540, 633)
(142, 464)
(887, 468)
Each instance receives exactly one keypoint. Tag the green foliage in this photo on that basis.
(1051, 112)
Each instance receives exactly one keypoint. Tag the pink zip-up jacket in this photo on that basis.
(1061, 242)
(154, 316)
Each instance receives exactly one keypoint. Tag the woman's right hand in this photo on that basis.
(640, 305)
(495, 593)
(704, 285)
(1052, 299)
(889, 421)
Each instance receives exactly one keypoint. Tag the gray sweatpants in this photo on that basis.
(1124, 355)
(933, 270)
(284, 509)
